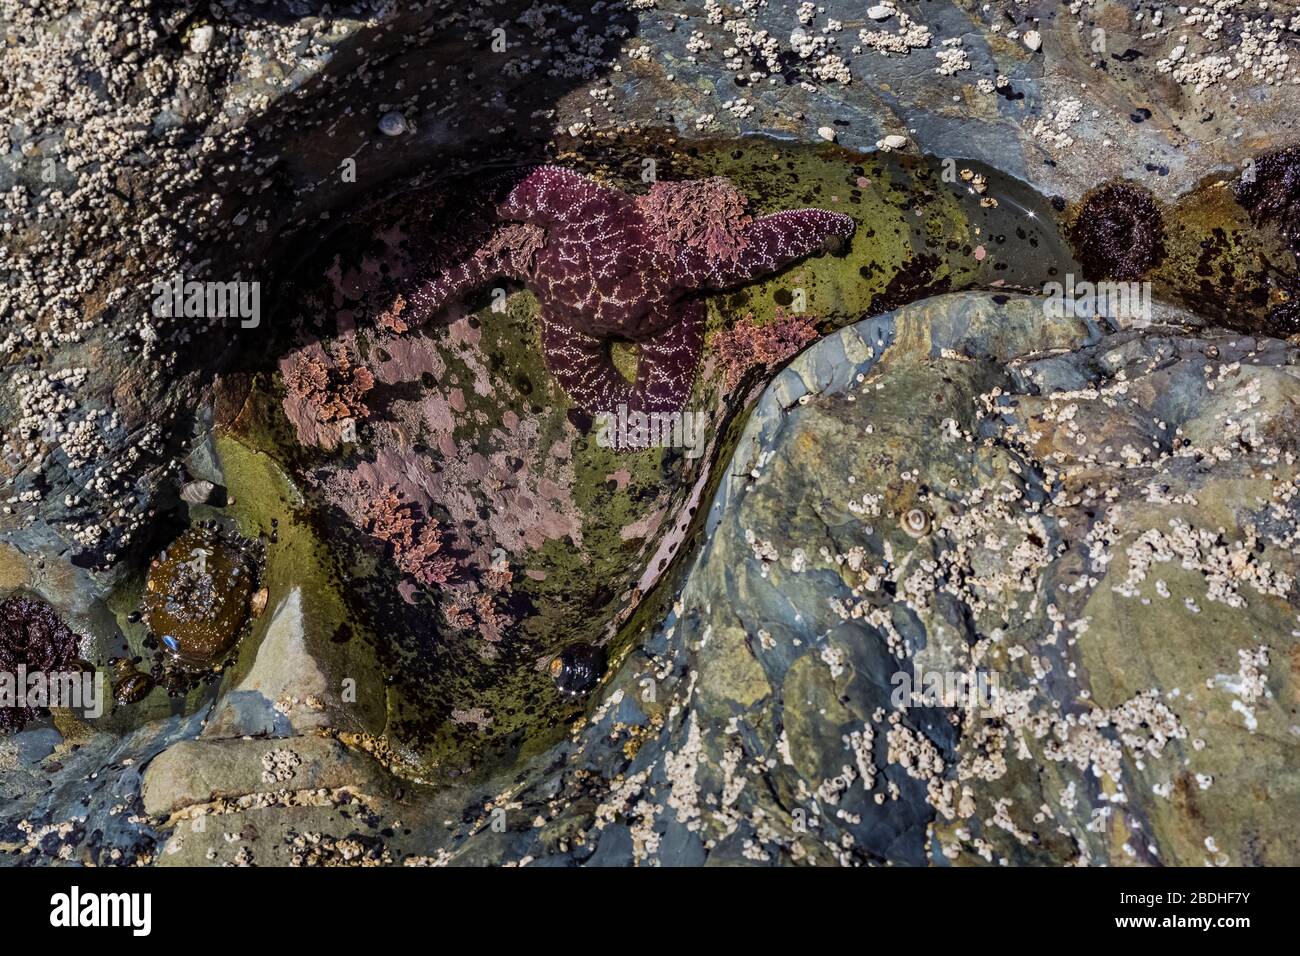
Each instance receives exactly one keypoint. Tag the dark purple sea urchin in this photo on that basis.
(1270, 191)
(1118, 233)
(34, 636)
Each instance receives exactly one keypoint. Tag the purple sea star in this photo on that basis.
(606, 265)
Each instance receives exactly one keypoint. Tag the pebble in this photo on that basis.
(201, 39)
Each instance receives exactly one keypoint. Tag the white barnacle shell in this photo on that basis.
(202, 37)
(915, 522)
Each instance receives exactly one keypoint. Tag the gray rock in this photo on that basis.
(285, 690)
(196, 773)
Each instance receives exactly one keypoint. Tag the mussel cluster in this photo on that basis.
(35, 638)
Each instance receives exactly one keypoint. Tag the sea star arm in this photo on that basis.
(666, 364)
(767, 245)
(547, 198)
(508, 253)
(552, 196)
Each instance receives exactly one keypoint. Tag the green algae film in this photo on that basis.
(923, 225)
(269, 504)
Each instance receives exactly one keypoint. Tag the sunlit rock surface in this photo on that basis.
(1132, 601)
(749, 721)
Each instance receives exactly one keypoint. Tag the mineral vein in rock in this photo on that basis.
(609, 266)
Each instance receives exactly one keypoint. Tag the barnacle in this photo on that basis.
(915, 522)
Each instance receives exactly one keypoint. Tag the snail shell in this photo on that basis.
(578, 668)
(197, 492)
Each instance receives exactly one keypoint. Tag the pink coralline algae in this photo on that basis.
(748, 344)
(326, 396)
(706, 214)
(607, 266)
(417, 546)
(391, 319)
(469, 610)
(499, 577)
(492, 620)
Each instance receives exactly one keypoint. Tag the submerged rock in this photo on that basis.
(197, 594)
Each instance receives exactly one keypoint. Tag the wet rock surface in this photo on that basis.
(1107, 90)
(1060, 533)
(1094, 499)
(1080, 543)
